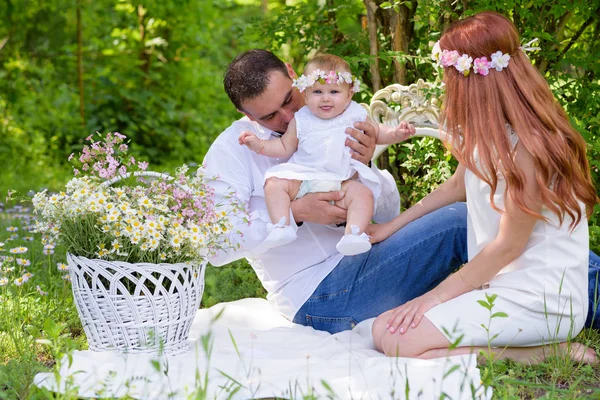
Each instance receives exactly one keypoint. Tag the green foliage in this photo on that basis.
(233, 282)
(419, 166)
(152, 70)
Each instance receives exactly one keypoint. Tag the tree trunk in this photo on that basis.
(401, 30)
(373, 44)
(338, 37)
(80, 64)
(144, 55)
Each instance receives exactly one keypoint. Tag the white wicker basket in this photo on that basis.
(137, 308)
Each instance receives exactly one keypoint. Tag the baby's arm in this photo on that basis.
(281, 147)
(389, 135)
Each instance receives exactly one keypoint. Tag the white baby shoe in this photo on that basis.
(279, 234)
(352, 244)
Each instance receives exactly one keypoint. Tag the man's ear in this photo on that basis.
(291, 71)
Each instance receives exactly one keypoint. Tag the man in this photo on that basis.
(307, 280)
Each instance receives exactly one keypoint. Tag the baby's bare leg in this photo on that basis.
(358, 200)
(279, 194)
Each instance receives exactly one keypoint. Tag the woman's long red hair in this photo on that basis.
(477, 108)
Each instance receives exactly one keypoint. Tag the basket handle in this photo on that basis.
(150, 174)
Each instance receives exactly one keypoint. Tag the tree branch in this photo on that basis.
(575, 37)
(3, 42)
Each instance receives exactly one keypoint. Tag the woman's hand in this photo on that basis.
(410, 313)
(379, 232)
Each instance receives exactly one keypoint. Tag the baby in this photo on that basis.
(320, 161)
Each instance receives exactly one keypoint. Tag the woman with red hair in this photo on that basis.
(524, 174)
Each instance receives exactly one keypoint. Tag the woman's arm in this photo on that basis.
(513, 234)
(449, 192)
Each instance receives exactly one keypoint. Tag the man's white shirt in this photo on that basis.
(292, 272)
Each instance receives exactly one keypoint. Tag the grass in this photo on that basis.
(40, 325)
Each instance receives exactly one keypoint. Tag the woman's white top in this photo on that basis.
(322, 153)
(543, 291)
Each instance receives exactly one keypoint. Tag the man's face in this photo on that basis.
(275, 107)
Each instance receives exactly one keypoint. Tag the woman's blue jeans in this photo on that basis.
(593, 318)
(409, 263)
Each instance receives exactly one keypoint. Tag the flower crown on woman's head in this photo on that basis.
(464, 63)
(306, 81)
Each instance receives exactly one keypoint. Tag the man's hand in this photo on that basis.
(366, 137)
(315, 207)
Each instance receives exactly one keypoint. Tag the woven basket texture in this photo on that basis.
(136, 308)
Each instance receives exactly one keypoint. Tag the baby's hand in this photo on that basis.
(251, 141)
(403, 132)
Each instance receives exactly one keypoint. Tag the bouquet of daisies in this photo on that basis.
(116, 210)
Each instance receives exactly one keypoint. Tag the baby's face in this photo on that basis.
(328, 100)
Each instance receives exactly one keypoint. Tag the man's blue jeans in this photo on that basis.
(409, 263)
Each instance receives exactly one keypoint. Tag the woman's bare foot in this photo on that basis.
(579, 353)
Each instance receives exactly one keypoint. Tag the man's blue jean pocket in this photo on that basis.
(330, 324)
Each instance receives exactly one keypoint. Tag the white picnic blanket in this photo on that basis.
(257, 353)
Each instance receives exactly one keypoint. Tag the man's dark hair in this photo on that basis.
(247, 76)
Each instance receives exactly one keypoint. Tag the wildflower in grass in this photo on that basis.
(27, 276)
(12, 229)
(23, 262)
(67, 277)
(28, 238)
(40, 291)
(62, 267)
(48, 249)
(18, 250)
(3, 281)
(19, 281)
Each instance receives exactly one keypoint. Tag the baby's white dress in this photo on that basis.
(322, 154)
(543, 291)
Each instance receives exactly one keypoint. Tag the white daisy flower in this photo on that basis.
(499, 61)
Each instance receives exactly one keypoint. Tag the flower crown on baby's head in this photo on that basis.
(306, 81)
(464, 63)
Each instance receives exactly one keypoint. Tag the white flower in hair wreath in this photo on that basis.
(331, 77)
(481, 65)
